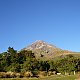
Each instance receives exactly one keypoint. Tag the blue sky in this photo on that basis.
(54, 21)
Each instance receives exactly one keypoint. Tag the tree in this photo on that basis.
(67, 64)
(52, 66)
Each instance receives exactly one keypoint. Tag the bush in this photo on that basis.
(28, 74)
(18, 75)
(42, 73)
(2, 75)
(51, 73)
(35, 73)
(10, 75)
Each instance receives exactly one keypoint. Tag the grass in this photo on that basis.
(56, 77)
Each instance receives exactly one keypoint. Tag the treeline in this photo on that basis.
(24, 61)
(21, 61)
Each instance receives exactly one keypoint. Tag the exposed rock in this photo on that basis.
(45, 50)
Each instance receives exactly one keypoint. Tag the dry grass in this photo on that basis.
(55, 77)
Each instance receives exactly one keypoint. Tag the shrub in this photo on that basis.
(28, 74)
(18, 75)
(10, 75)
(51, 73)
(2, 75)
(42, 73)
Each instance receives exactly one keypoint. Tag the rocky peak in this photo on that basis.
(40, 44)
(40, 47)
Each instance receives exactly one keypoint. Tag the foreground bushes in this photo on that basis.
(3, 75)
(26, 74)
(15, 75)
(24, 64)
(9, 75)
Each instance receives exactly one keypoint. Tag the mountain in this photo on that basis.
(41, 45)
(45, 50)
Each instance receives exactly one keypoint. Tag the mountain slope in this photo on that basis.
(45, 50)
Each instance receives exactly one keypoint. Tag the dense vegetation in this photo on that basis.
(23, 61)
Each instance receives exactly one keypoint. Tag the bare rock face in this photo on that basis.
(47, 51)
(43, 49)
(40, 45)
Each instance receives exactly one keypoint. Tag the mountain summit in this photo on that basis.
(40, 47)
(39, 44)
(47, 51)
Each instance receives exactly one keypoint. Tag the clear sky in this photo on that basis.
(54, 21)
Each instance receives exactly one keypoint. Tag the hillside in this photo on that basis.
(46, 51)
(39, 58)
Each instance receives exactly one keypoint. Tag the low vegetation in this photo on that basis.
(71, 77)
(23, 64)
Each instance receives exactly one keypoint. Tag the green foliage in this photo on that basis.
(52, 66)
(24, 61)
(16, 61)
(67, 64)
